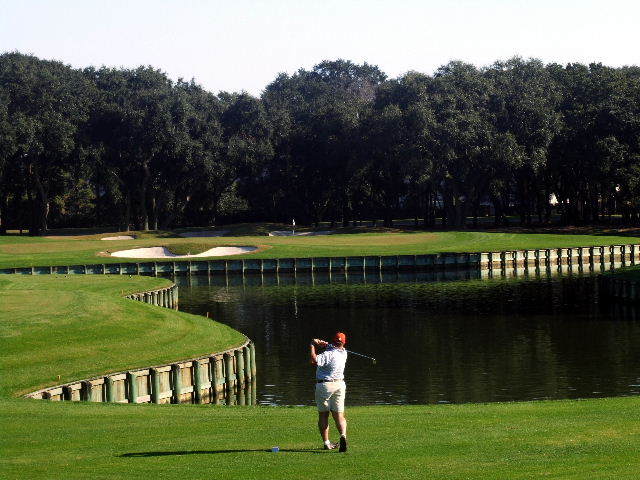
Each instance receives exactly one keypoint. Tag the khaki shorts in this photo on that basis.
(330, 396)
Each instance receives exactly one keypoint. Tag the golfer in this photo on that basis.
(330, 387)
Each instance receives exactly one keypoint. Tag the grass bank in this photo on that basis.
(56, 328)
(17, 251)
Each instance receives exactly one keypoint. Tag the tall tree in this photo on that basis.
(194, 158)
(134, 126)
(317, 114)
(247, 134)
(46, 103)
(7, 151)
(523, 103)
(459, 99)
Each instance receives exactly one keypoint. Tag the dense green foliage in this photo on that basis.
(337, 142)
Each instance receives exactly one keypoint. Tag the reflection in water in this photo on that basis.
(438, 336)
(236, 395)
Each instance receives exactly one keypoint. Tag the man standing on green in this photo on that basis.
(330, 387)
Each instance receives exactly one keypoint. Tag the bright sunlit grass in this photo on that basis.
(55, 328)
(27, 251)
(594, 439)
(58, 328)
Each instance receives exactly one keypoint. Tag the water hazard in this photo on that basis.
(437, 337)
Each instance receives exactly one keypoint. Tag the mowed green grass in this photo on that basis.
(592, 439)
(55, 328)
(80, 326)
(26, 251)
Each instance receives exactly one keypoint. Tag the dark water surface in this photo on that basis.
(458, 340)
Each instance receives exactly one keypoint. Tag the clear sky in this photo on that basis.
(243, 44)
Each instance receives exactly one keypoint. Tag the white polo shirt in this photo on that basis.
(331, 363)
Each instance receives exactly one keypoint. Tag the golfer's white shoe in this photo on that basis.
(330, 446)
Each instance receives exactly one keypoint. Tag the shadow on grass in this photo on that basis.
(212, 452)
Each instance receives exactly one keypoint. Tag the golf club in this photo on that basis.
(359, 354)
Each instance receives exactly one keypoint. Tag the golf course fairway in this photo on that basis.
(61, 328)
(24, 251)
(595, 439)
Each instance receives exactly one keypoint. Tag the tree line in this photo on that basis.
(339, 142)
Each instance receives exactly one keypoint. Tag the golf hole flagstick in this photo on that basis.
(356, 353)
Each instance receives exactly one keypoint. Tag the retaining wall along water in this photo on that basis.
(163, 297)
(210, 379)
(438, 261)
(221, 377)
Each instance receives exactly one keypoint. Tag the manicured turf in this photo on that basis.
(25, 251)
(594, 439)
(77, 327)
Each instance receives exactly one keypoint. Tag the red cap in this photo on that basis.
(340, 337)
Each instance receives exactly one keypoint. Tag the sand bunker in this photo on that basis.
(204, 233)
(120, 237)
(163, 252)
(288, 233)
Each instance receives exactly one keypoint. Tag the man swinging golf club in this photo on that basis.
(330, 387)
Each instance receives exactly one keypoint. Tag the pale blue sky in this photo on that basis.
(243, 44)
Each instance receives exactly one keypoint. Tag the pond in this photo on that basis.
(458, 339)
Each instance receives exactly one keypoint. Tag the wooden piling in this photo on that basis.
(176, 383)
(247, 362)
(110, 390)
(85, 391)
(228, 371)
(254, 391)
(67, 393)
(217, 375)
(132, 387)
(155, 385)
(240, 367)
(197, 381)
(253, 359)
